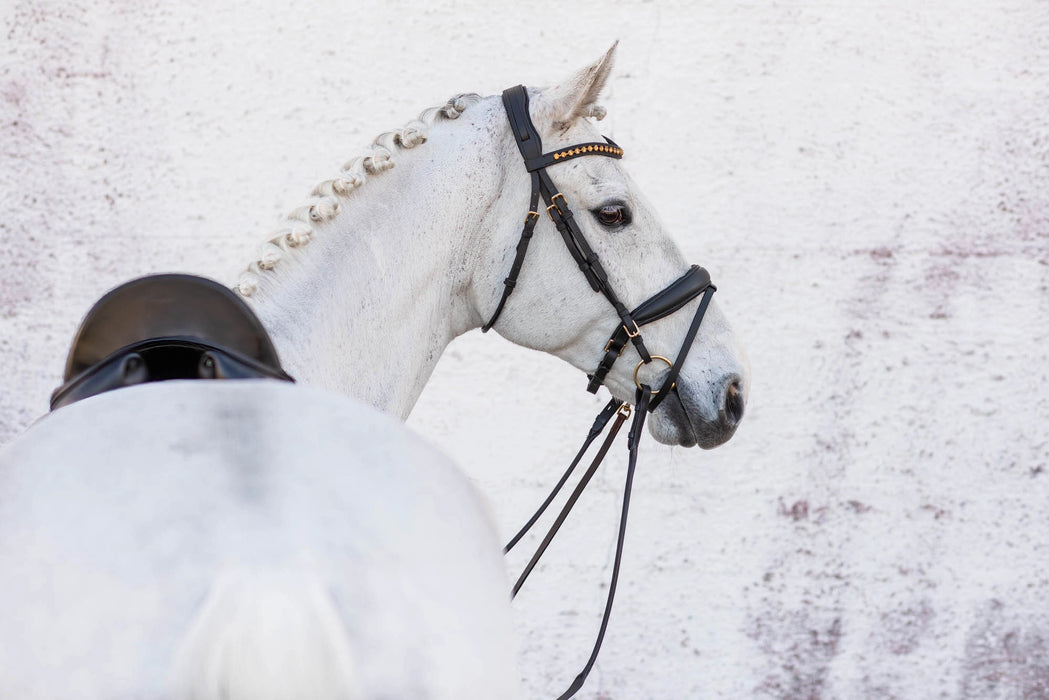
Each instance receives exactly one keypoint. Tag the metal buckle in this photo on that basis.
(637, 330)
(608, 346)
(553, 204)
(624, 410)
(531, 214)
(637, 369)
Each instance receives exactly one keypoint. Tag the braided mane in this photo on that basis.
(296, 230)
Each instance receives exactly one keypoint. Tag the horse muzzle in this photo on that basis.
(700, 413)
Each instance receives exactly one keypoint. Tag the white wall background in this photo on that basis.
(868, 184)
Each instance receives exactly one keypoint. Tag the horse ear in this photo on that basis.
(574, 98)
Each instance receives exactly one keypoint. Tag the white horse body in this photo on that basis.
(245, 539)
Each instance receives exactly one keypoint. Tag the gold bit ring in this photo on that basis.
(640, 364)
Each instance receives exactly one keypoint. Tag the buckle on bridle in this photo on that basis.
(608, 346)
(553, 204)
(530, 215)
(637, 330)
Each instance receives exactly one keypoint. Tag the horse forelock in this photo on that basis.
(324, 203)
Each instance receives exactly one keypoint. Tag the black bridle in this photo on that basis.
(665, 302)
(661, 304)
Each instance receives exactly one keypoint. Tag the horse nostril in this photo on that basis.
(734, 404)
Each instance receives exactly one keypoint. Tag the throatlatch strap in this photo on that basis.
(531, 219)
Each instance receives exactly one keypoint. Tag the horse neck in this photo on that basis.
(369, 305)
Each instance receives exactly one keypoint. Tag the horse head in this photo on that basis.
(554, 307)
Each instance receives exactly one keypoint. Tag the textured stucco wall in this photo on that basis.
(868, 183)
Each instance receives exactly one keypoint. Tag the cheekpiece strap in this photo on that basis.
(515, 101)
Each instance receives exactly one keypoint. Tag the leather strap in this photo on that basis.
(674, 297)
(644, 393)
(159, 359)
(570, 503)
(642, 400)
(686, 345)
(595, 430)
(608, 148)
(531, 219)
(529, 143)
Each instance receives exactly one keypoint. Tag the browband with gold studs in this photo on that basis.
(609, 150)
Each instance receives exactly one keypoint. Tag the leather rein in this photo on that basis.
(665, 302)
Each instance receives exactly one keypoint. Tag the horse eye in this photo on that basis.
(612, 215)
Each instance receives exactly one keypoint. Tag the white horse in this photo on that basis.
(243, 539)
(255, 539)
(365, 285)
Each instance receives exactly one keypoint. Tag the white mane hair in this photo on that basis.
(324, 204)
(325, 201)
